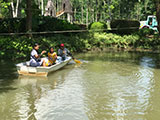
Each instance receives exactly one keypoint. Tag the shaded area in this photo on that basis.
(7, 75)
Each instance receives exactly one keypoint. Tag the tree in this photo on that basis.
(4, 8)
(29, 16)
(15, 8)
(157, 4)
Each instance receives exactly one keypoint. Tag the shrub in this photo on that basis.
(39, 24)
(53, 24)
(10, 25)
(97, 26)
(145, 31)
(114, 40)
(20, 46)
(124, 26)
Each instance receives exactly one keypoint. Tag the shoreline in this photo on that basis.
(18, 48)
(109, 49)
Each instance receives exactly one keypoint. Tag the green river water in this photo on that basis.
(107, 86)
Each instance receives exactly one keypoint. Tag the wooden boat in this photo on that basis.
(24, 68)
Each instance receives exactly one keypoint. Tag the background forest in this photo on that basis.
(29, 16)
(85, 11)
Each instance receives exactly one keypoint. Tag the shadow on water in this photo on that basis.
(54, 79)
(7, 76)
(127, 57)
(37, 88)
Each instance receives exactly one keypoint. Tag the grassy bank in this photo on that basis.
(19, 47)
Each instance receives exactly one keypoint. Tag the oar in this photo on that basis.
(77, 61)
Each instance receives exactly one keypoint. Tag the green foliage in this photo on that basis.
(20, 47)
(145, 31)
(125, 26)
(12, 25)
(4, 8)
(40, 24)
(52, 24)
(12, 47)
(97, 26)
(114, 40)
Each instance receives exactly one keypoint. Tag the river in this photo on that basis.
(107, 86)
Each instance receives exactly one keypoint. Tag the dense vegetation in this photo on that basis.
(97, 26)
(19, 47)
(41, 24)
(28, 16)
(85, 11)
(125, 26)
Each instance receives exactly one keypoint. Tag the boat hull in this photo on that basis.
(23, 69)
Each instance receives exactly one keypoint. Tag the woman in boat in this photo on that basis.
(64, 52)
(35, 57)
(52, 56)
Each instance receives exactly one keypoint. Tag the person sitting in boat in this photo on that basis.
(35, 57)
(64, 52)
(52, 56)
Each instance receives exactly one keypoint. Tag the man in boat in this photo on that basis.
(35, 57)
(64, 52)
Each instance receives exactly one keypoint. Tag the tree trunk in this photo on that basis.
(158, 16)
(82, 14)
(96, 17)
(56, 6)
(93, 16)
(157, 4)
(19, 12)
(87, 17)
(96, 11)
(14, 8)
(109, 10)
(42, 7)
(68, 17)
(29, 16)
(104, 10)
(75, 12)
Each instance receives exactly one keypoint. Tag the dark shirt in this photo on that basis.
(64, 55)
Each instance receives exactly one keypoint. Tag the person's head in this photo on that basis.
(51, 50)
(36, 46)
(62, 46)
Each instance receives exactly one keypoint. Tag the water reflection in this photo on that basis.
(28, 91)
(58, 96)
(117, 91)
(111, 86)
(65, 102)
(39, 90)
(7, 76)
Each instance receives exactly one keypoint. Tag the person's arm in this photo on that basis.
(55, 57)
(69, 53)
(59, 52)
(39, 55)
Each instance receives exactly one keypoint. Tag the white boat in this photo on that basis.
(24, 68)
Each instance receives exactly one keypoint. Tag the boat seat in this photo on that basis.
(27, 63)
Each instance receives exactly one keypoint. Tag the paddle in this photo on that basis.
(77, 61)
(66, 51)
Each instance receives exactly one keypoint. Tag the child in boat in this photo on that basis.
(52, 56)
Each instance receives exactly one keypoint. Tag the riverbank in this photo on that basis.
(17, 47)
